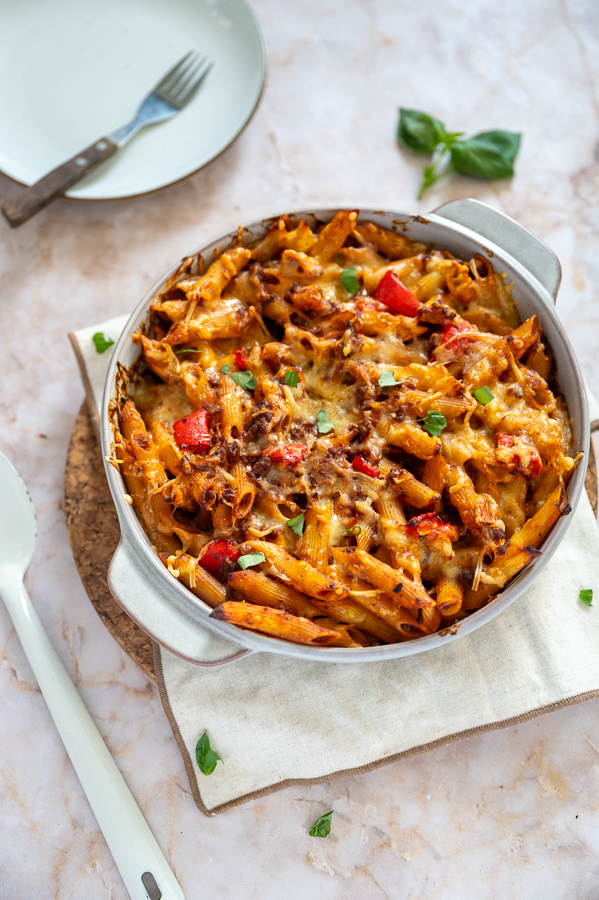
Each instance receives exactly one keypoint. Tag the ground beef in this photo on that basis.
(260, 424)
(262, 467)
(232, 451)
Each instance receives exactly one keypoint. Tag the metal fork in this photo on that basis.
(170, 95)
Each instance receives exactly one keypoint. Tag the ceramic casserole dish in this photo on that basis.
(179, 620)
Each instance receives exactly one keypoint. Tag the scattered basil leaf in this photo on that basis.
(251, 559)
(434, 422)
(296, 525)
(419, 131)
(205, 755)
(187, 351)
(322, 826)
(102, 342)
(490, 154)
(586, 596)
(245, 380)
(349, 281)
(323, 424)
(387, 379)
(354, 531)
(483, 395)
(225, 369)
(291, 377)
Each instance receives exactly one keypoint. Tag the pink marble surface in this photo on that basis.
(508, 813)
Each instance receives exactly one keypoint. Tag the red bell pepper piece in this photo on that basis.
(366, 303)
(429, 525)
(241, 358)
(191, 433)
(396, 295)
(215, 552)
(452, 329)
(505, 440)
(360, 465)
(288, 454)
(525, 459)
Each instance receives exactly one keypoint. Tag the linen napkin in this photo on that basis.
(278, 721)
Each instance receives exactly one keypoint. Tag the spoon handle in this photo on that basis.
(139, 859)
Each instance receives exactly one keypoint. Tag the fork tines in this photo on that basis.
(180, 84)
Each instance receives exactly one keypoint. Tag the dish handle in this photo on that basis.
(525, 247)
(131, 584)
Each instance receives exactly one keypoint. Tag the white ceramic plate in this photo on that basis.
(75, 70)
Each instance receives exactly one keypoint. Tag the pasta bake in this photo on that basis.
(340, 437)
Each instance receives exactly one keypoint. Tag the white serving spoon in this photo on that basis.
(139, 859)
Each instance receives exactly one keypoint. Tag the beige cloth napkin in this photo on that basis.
(278, 721)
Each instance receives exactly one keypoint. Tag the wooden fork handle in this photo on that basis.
(28, 202)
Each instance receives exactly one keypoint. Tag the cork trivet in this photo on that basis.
(94, 533)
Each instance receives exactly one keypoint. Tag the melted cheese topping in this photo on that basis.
(431, 481)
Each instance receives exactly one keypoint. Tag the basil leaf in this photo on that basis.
(507, 142)
(296, 525)
(251, 559)
(205, 755)
(387, 379)
(586, 597)
(419, 131)
(322, 826)
(225, 369)
(490, 154)
(245, 380)
(434, 422)
(102, 342)
(354, 531)
(349, 281)
(291, 377)
(483, 395)
(187, 351)
(323, 425)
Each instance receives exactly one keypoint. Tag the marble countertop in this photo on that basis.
(512, 812)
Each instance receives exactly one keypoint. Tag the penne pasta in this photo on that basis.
(200, 582)
(300, 574)
(315, 541)
(393, 582)
(275, 622)
(258, 588)
(245, 491)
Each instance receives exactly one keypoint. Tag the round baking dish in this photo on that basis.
(180, 621)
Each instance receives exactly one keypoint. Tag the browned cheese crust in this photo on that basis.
(362, 567)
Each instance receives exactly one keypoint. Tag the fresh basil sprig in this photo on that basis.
(586, 596)
(205, 756)
(489, 154)
(322, 826)
(102, 342)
